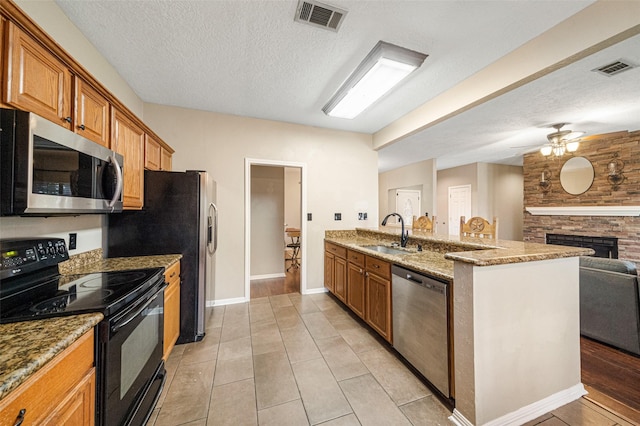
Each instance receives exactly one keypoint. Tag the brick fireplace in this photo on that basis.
(573, 220)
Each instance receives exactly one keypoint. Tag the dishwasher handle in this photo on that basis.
(430, 283)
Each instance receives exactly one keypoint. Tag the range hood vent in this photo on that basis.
(319, 15)
(614, 68)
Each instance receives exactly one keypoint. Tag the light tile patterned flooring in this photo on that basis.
(303, 360)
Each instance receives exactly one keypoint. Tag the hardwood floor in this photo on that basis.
(612, 378)
(275, 286)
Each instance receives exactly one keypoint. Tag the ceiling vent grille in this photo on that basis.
(614, 68)
(319, 15)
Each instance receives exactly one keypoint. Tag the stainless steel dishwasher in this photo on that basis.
(420, 324)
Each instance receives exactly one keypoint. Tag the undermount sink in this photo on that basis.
(385, 249)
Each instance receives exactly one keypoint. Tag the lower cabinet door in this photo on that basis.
(378, 306)
(171, 317)
(340, 279)
(356, 289)
(78, 408)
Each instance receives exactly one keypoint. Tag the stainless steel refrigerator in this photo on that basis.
(179, 217)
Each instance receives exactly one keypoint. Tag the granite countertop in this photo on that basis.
(440, 251)
(25, 347)
(123, 264)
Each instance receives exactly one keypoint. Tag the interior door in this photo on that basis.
(408, 204)
(459, 205)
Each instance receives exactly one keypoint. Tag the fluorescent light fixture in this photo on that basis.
(383, 68)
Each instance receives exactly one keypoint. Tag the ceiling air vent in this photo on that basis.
(615, 67)
(319, 15)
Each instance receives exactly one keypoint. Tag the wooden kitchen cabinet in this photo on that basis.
(171, 309)
(378, 296)
(60, 393)
(336, 270)
(152, 153)
(329, 262)
(127, 138)
(165, 159)
(356, 282)
(91, 113)
(35, 79)
(156, 156)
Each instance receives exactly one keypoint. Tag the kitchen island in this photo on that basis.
(515, 319)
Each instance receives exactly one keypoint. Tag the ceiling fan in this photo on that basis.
(561, 141)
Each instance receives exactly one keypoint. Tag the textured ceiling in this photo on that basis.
(249, 58)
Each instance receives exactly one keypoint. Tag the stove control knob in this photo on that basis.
(52, 250)
(42, 251)
(61, 249)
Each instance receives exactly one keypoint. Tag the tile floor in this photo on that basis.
(303, 360)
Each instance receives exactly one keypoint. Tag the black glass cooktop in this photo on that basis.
(105, 292)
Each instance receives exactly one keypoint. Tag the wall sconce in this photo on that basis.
(545, 181)
(614, 170)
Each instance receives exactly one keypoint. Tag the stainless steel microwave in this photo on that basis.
(47, 170)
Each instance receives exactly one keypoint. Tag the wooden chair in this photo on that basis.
(423, 223)
(478, 227)
(294, 245)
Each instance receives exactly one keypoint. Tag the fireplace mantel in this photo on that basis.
(585, 211)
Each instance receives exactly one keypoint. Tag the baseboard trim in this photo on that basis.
(267, 276)
(222, 302)
(458, 419)
(315, 290)
(528, 412)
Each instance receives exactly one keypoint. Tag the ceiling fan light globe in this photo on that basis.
(558, 151)
(572, 146)
(546, 150)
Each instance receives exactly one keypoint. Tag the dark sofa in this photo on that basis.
(609, 302)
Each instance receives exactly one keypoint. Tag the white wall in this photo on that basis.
(496, 190)
(341, 176)
(88, 228)
(267, 218)
(419, 175)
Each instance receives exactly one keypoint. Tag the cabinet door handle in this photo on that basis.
(20, 417)
(376, 266)
(172, 275)
(67, 119)
(81, 127)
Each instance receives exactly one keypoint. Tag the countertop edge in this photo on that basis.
(12, 376)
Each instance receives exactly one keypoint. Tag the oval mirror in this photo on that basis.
(576, 175)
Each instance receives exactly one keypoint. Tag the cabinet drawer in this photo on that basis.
(355, 257)
(336, 250)
(378, 267)
(47, 389)
(172, 273)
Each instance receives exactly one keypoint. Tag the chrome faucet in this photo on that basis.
(404, 236)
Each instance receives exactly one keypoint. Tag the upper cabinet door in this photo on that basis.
(152, 156)
(91, 113)
(165, 160)
(127, 138)
(36, 80)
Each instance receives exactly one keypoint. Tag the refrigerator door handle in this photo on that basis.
(212, 229)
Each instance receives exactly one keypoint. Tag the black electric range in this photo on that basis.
(129, 341)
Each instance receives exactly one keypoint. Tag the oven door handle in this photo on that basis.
(130, 317)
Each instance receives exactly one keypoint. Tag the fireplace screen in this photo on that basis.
(603, 246)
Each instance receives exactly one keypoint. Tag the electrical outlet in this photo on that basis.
(337, 216)
(309, 217)
(73, 241)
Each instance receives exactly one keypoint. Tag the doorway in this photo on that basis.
(459, 205)
(275, 200)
